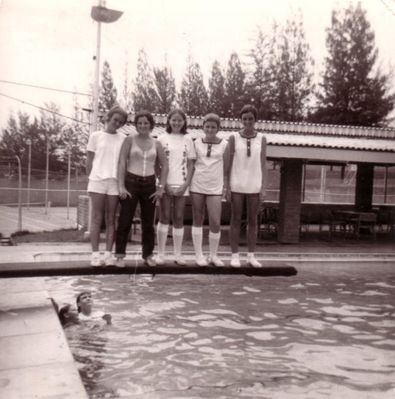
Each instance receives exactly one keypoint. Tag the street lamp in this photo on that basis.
(46, 175)
(29, 170)
(100, 14)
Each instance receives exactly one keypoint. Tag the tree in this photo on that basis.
(291, 67)
(193, 96)
(74, 138)
(216, 90)
(234, 87)
(144, 95)
(165, 88)
(50, 129)
(108, 92)
(260, 82)
(353, 91)
(126, 100)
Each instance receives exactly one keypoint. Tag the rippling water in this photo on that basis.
(236, 336)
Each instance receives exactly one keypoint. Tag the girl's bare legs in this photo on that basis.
(252, 220)
(198, 204)
(214, 207)
(178, 228)
(235, 221)
(235, 225)
(110, 213)
(163, 227)
(97, 214)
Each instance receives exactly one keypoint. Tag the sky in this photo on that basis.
(51, 43)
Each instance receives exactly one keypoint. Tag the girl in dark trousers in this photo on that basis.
(139, 156)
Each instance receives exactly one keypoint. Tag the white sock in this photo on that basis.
(96, 254)
(250, 255)
(235, 255)
(107, 254)
(178, 235)
(197, 239)
(213, 240)
(161, 237)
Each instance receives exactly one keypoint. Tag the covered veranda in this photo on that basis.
(293, 147)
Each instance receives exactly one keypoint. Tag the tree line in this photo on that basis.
(276, 75)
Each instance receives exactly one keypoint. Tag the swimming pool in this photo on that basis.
(215, 336)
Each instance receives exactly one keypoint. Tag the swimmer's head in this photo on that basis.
(68, 315)
(84, 302)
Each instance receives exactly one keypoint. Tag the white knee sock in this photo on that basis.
(161, 237)
(197, 239)
(213, 240)
(178, 235)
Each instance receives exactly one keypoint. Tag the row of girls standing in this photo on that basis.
(167, 170)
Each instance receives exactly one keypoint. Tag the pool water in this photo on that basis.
(217, 336)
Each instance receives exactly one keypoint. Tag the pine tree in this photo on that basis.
(126, 100)
(50, 132)
(353, 91)
(74, 138)
(108, 92)
(144, 95)
(260, 82)
(193, 97)
(291, 67)
(165, 88)
(216, 90)
(234, 87)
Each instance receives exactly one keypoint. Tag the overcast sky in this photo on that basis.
(52, 42)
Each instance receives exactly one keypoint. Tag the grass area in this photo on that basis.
(64, 235)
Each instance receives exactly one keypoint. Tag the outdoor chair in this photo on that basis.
(365, 223)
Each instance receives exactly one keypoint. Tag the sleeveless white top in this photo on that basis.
(246, 172)
(140, 162)
(208, 177)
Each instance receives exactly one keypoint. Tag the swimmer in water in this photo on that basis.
(85, 309)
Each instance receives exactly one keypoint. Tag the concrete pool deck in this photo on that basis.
(35, 360)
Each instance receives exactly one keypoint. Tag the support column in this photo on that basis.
(290, 201)
(364, 187)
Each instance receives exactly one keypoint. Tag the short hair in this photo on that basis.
(249, 108)
(211, 117)
(62, 314)
(183, 116)
(77, 300)
(144, 113)
(116, 109)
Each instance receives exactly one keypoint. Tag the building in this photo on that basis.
(295, 146)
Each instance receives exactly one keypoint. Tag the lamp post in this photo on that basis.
(46, 175)
(29, 170)
(68, 178)
(100, 14)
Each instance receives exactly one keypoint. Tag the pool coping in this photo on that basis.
(36, 359)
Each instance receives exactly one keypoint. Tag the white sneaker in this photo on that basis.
(95, 260)
(160, 259)
(216, 261)
(253, 262)
(201, 261)
(119, 262)
(235, 261)
(109, 260)
(179, 260)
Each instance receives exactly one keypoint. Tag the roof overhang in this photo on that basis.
(331, 154)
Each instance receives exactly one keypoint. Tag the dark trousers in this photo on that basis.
(141, 188)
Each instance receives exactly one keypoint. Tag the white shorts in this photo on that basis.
(104, 186)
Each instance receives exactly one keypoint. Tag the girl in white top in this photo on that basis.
(102, 166)
(207, 188)
(247, 182)
(180, 155)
